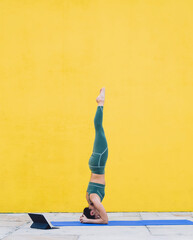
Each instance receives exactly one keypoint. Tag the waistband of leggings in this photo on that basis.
(98, 184)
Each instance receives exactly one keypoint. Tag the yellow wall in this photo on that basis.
(55, 55)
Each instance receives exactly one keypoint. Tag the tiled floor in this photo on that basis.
(17, 227)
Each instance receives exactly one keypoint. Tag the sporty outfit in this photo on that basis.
(99, 155)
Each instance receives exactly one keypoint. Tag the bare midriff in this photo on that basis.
(97, 178)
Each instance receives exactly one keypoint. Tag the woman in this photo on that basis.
(95, 212)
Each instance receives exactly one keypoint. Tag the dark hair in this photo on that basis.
(87, 213)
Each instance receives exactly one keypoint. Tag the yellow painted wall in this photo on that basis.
(55, 55)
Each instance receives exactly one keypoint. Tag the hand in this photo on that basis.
(83, 219)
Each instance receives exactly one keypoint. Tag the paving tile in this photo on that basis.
(124, 218)
(182, 214)
(128, 237)
(165, 215)
(169, 238)
(24, 237)
(162, 215)
(62, 216)
(127, 214)
(148, 215)
(180, 230)
(117, 233)
(106, 230)
(111, 237)
(14, 217)
(4, 231)
(131, 214)
(11, 224)
(98, 231)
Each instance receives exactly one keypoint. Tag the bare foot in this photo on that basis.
(101, 98)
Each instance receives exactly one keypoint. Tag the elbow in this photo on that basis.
(106, 221)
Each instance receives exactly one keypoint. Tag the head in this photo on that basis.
(91, 213)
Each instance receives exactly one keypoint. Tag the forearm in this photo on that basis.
(98, 220)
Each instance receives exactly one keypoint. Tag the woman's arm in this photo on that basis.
(103, 215)
(98, 205)
(84, 219)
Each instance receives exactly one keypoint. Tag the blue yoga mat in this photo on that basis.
(127, 223)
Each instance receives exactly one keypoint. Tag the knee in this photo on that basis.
(98, 126)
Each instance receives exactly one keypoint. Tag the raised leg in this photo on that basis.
(99, 155)
(100, 143)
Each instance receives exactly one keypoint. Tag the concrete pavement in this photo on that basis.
(17, 227)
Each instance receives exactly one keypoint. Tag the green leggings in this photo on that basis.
(99, 156)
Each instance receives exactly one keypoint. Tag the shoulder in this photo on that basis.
(96, 201)
(99, 206)
(88, 198)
